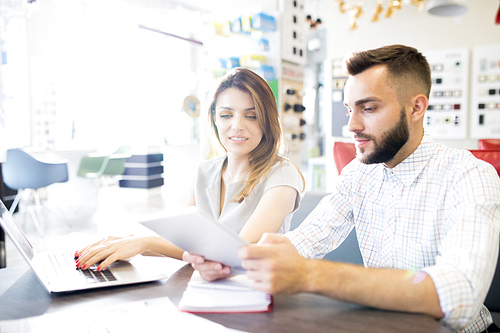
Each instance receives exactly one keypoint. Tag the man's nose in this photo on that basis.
(355, 123)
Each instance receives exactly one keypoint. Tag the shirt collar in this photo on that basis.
(409, 169)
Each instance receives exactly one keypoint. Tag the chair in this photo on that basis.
(94, 166)
(492, 301)
(489, 144)
(310, 200)
(343, 154)
(348, 251)
(491, 156)
(488, 155)
(22, 172)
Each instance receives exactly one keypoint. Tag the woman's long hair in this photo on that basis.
(265, 155)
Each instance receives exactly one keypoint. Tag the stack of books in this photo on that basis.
(143, 171)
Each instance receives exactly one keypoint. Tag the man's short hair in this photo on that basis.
(407, 67)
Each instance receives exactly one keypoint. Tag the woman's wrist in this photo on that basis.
(158, 245)
(151, 244)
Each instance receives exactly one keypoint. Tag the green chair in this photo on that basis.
(97, 165)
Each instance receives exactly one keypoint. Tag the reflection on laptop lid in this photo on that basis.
(16, 235)
(57, 271)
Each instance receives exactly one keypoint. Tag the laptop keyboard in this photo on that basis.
(63, 267)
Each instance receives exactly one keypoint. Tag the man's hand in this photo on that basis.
(275, 265)
(209, 270)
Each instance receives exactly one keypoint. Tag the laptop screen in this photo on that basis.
(12, 229)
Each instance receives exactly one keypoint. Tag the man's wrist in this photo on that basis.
(322, 276)
(312, 275)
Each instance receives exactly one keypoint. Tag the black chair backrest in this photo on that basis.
(309, 201)
(348, 251)
(492, 301)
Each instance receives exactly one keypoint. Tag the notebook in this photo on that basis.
(232, 295)
(58, 273)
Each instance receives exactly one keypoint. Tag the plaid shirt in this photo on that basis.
(437, 212)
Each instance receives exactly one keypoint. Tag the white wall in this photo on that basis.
(111, 78)
(411, 27)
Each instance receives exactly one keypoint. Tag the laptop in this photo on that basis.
(58, 272)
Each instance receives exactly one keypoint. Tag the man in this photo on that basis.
(427, 217)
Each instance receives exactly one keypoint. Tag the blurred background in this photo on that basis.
(86, 77)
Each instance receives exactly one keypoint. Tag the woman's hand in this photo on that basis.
(110, 250)
(209, 270)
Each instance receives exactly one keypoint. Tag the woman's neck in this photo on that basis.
(235, 169)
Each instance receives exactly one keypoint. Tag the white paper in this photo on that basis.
(152, 315)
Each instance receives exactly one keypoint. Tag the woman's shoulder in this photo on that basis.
(284, 172)
(284, 169)
(284, 164)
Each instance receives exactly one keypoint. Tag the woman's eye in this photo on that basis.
(252, 117)
(225, 115)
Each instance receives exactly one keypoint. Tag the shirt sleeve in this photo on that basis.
(468, 253)
(285, 174)
(328, 225)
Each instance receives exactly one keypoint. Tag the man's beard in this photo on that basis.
(390, 142)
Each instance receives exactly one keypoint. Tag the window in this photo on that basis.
(111, 82)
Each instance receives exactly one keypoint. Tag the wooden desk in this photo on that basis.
(22, 295)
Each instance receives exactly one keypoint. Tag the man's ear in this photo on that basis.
(418, 104)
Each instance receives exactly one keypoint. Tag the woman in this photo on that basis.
(250, 188)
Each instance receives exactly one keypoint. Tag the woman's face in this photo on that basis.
(236, 121)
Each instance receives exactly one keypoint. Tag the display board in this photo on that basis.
(293, 39)
(339, 111)
(447, 116)
(292, 106)
(485, 92)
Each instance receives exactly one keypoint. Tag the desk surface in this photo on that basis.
(23, 296)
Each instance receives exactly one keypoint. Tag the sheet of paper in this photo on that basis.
(152, 315)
